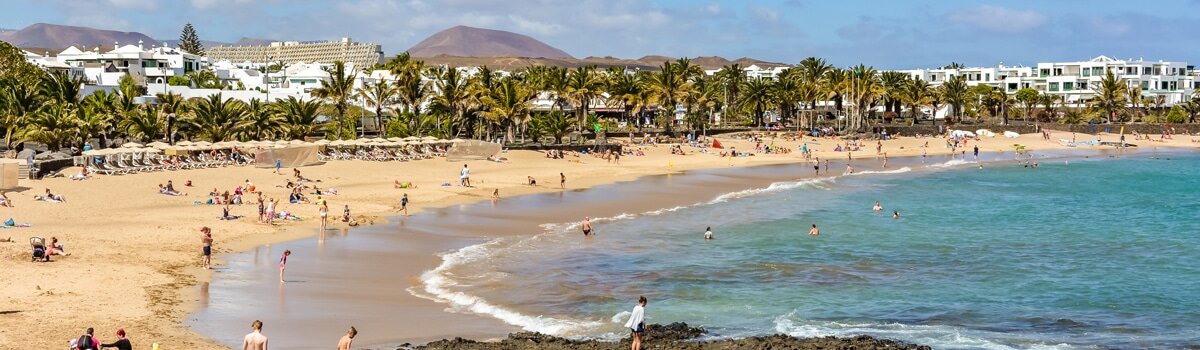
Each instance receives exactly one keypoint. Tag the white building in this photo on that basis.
(154, 65)
(1074, 80)
(345, 50)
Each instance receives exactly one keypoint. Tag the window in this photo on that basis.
(1145, 70)
(987, 76)
(1067, 86)
(1012, 87)
(1045, 72)
(1053, 86)
(1087, 71)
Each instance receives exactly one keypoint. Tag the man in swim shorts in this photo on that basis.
(206, 240)
(587, 226)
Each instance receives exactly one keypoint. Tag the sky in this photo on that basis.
(893, 34)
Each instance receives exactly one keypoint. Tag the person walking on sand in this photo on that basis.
(708, 233)
(278, 164)
(344, 343)
(206, 240)
(563, 182)
(283, 264)
(637, 323)
(270, 211)
(255, 340)
(814, 231)
(324, 212)
(587, 226)
(464, 177)
(404, 204)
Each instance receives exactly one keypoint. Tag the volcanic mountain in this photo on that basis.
(463, 41)
(59, 36)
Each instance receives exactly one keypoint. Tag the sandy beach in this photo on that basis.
(135, 254)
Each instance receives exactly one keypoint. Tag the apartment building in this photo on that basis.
(1074, 81)
(345, 50)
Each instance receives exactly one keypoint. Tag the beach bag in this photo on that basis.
(86, 343)
(10, 222)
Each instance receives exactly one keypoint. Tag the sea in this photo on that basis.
(1080, 252)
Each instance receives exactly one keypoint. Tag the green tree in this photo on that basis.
(143, 125)
(54, 124)
(452, 94)
(216, 118)
(955, 92)
(556, 124)
(337, 91)
(297, 117)
(509, 104)
(189, 41)
(379, 94)
(583, 85)
(1111, 95)
(916, 94)
(1028, 97)
(17, 103)
(261, 121)
(757, 96)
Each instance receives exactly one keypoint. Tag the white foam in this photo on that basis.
(620, 316)
(774, 187)
(893, 171)
(952, 163)
(936, 336)
(437, 286)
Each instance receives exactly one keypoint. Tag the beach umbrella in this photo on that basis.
(297, 142)
(202, 143)
(395, 139)
(131, 145)
(429, 138)
(322, 142)
(184, 143)
(412, 138)
(458, 141)
(93, 152)
(338, 142)
(150, 150)
(158, 145)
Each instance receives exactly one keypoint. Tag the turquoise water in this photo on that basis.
(1094, 253)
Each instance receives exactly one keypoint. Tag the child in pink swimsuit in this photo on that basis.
(283, 264)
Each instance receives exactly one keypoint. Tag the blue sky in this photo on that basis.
(885, 34)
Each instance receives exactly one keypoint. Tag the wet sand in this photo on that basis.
(369, 277)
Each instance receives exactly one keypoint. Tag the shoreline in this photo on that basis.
(105, 235)
(588, 200)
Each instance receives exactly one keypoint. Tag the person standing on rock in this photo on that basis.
(637, 323)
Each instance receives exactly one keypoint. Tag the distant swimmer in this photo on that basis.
(895, 214)
(849, 169)
(814, 231)
(587, 226)
(976, 152)
(708, 233)
(877, 207)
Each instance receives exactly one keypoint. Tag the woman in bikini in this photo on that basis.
(324, 216)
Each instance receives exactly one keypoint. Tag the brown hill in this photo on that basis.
(466, 41)
(651, 63)
(55, 36)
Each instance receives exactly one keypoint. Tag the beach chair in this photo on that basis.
(95, 170)
(109, 166)
(39, 249)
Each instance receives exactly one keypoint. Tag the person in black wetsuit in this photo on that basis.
(122, 342)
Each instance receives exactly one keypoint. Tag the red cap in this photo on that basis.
(120, 332)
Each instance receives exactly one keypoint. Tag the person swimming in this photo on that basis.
(877, 207)
(895, 214)
(814, 231)
(587, 226)
(708, 233)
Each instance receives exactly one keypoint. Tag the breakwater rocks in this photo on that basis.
(673, 336)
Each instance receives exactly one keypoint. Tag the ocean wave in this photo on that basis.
(774, 187)
(438, 283)
(952, 163)
(894, 171)
(936, 336)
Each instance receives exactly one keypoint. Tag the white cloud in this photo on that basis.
(997, 19)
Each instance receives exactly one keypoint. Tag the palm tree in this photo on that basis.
(260, 122)
(834, 84)
(144, 125)
(669, 87)
(216, 118)
(100, 109)
(1135, 100)
(731, 79)
(556, 124)
(813, 71)
(297, 117)
(623, 90)
(756, 98)
(893, 83)
(53, 124)
(583, 85)
(509, 105)
(1111, 95)
(864, 90)
(59, 86)
(1050, 105)
(379, 94)
(452, 93)
(916, 94)
(18, 102)
(956, 93)
(170, 104)
(338, 91)
(786, 93)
